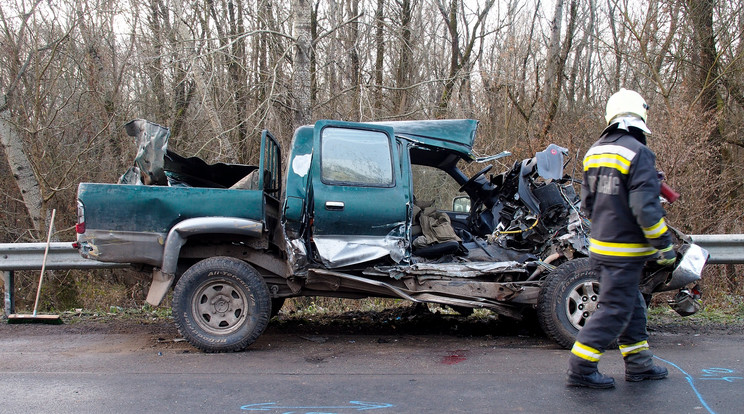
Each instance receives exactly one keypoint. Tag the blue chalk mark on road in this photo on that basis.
(691, 381)
(353, 405)
(715, 374)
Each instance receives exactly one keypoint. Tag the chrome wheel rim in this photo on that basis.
(582, 302)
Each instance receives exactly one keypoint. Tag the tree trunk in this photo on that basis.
(459, 58)
(574, 81)
(615, 81)
(10, 138)
(356, 70)
(301, 84)
(20, 165)
(554, 47)
(590, 55)
(450, 18)
(238, 77)
(379, 55)
(404, 63)
(556, 64)
(156, 69)
(313, 58)
(706, 73)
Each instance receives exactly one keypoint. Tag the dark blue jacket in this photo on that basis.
(620, 195)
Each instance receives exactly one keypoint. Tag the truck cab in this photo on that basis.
(350, 193)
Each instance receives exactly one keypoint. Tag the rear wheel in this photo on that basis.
(567, 299)
(221, 304)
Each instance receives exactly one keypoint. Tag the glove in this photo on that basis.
(667, 256)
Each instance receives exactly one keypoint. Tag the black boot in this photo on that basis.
(654, 373)
(593, 380)
(640, 366)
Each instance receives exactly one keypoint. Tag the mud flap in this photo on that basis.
(161, 282)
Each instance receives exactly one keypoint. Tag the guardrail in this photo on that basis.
(723, 249)
(62, 256)
(29, 256)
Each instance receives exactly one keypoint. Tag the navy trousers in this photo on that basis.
(621, 315)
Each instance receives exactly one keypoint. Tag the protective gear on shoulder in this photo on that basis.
(625, 103)
(667, 256)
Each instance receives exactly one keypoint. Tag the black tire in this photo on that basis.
(221, 304)
(567, 299)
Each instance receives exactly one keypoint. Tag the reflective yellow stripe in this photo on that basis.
(607, 160)
(626, 153)
(621, 249)
(655, 231)
(633, 348)
(585, 352)
(612, 156)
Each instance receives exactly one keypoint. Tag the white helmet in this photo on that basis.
(625, 102)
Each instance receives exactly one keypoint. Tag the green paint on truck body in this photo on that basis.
(144, 208)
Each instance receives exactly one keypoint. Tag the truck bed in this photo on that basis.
(129, 223)
(143, 208)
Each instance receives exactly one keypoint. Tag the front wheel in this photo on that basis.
(567, 299)
(221, 304)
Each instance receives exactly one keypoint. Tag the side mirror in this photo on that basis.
(461, 204)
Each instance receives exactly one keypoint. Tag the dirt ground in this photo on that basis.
(409, 321)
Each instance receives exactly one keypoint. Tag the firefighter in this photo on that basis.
(620, 195)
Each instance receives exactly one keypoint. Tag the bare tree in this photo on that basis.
(403, 69)
(354, 59)
(460, 57)
(557, 55)
(10, 134)
(301, 84)
(705, 74)
(580, 63)
(379, 55)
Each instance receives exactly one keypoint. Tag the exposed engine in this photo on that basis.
(532, 207)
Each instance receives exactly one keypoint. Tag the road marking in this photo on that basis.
(354, 405)
(715, 374)
(691, 381)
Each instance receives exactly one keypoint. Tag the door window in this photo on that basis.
(356, 157)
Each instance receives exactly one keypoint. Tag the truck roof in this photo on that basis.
(455, 135)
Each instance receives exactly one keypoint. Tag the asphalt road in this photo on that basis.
(110, 368)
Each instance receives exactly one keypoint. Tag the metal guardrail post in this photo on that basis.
(9, 285)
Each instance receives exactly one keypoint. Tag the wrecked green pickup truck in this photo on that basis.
(361, 209)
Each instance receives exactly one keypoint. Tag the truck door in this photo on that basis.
(360, 198)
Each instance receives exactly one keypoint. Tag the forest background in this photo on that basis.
(217, 72)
